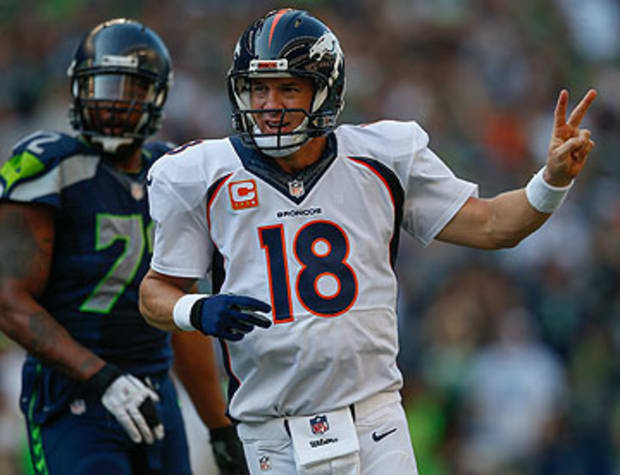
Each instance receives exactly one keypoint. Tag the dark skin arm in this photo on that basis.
(194, 364)
(27, 240)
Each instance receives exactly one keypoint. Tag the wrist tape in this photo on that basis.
(544, 197)
(101, 380)
(182, 311)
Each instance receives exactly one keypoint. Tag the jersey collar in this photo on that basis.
(294, 186)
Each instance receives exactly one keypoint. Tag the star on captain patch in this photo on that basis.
(137, 191)
(296, 188)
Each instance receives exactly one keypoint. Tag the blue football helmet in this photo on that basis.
(120, 77)
(287, 43)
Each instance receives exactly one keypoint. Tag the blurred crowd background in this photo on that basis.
(510, 357)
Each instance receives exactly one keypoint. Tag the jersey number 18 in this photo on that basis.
(325, 286)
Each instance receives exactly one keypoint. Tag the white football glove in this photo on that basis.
(131, 402)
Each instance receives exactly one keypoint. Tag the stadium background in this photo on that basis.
(511, 357)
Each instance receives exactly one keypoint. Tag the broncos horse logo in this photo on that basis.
(328, 44)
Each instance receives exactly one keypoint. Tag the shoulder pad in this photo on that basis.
(153, 150)
(35, 154)
(387, 140)
(179, 181)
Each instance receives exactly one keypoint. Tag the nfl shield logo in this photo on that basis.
(265, 463)
(78, 407)
(137, 191)
(319, 425)
(296, 188)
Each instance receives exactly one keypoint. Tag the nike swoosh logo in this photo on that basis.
(377, 437)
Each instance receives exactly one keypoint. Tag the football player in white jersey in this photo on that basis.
(297, 221)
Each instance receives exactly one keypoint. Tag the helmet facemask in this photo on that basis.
(115, 108)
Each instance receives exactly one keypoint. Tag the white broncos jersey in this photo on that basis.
(318, 247)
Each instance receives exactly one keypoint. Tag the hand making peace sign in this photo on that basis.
(569, 145)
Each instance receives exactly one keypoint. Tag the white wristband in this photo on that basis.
(544, 197)
(182, 311)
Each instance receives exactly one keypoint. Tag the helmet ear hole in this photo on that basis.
(287, 43)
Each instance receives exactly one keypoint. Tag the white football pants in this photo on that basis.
(381, 426)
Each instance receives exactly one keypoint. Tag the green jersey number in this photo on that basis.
(111, 228)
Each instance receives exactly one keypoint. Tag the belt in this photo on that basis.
(277, 427)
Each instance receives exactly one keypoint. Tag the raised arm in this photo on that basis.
(503, 221)
(27, 240)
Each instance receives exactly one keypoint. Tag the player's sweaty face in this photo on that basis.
(278, 94)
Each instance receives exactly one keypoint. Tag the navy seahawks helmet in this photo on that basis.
(287, 43)
(120, 77)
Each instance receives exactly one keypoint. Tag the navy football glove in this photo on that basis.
(130, 401)
(228, 451)
(228, 316)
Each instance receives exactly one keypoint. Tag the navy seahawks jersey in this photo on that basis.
(102, 249)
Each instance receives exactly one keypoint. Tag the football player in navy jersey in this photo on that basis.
(76, 239)
(298, 220)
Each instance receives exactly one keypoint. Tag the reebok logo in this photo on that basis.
(377, 437)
